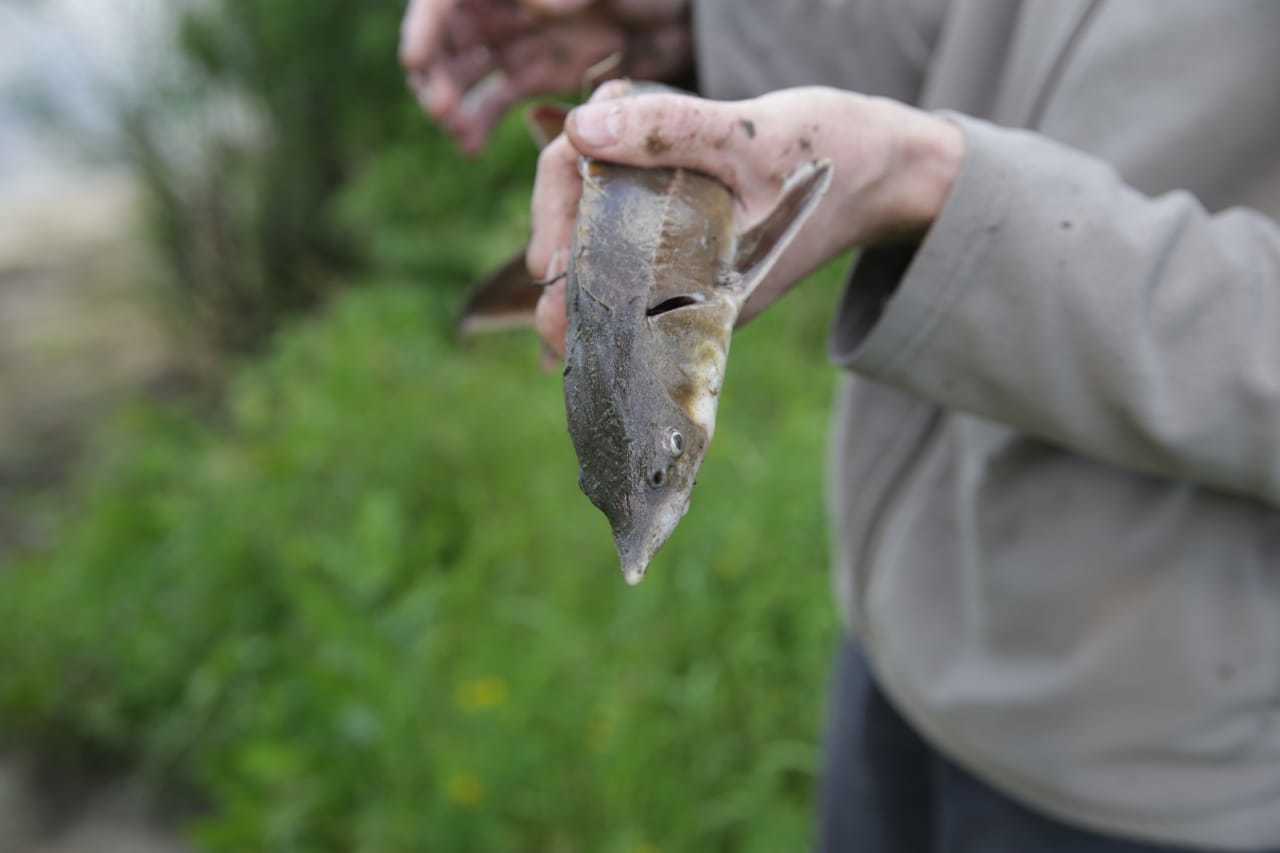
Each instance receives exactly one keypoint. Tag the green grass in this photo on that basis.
(371, 611)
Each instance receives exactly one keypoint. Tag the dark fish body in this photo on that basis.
(657, 279)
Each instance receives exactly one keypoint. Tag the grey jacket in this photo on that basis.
(1057, 464)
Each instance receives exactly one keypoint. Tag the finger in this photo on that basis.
(439, 94)
(422, 32)
(468, 68)
(528, 69)
(482, 109)
(485, 105)
(550, 318)
(440, 91)
(493, 22)
(463, 29)
(665, 130)
(562, 50)
(547, 59)
(556, 192)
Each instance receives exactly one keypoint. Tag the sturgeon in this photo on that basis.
(657, 277)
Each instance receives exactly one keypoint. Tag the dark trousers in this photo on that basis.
(887, 791)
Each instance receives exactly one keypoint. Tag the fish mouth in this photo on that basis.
(634, 574)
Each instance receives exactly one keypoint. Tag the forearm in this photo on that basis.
(1052, 297)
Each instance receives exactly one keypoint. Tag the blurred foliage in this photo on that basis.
(372, 611)
(287, 157)
(367, 608)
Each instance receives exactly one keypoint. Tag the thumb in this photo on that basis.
(663, 130)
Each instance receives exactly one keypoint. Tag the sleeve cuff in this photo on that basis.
(897, 295)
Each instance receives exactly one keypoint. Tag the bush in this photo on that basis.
(371, 611)
(282, 156)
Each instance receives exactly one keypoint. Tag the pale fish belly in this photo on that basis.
(705, 372)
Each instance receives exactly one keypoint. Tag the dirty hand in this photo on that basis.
(468, 61)
(893, 168)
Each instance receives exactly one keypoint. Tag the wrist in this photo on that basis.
(930, 152)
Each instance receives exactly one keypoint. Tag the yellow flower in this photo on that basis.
(481, 694)
(464, 789)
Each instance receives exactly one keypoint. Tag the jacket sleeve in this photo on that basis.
(880, 47)
(1054, 298)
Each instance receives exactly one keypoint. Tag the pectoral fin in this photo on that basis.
(761, 246)
(504, 300)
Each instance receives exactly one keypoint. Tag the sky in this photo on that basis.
(64, 51)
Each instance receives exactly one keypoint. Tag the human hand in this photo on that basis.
(893, 169)
(469, 61)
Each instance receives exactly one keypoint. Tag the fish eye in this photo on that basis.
(676, 443)
(657, 477)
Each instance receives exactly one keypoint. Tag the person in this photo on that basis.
(1056, 470)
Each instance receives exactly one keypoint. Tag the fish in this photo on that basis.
(657, 278)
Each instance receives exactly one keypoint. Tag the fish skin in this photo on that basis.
(643, 373)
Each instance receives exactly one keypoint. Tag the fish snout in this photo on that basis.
(634, 554)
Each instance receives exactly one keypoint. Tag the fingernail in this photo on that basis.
(598, 125)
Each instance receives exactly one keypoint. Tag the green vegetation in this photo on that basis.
(282, 157)
(373, 612)
(365, 607)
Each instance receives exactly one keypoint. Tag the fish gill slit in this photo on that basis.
(675, 302)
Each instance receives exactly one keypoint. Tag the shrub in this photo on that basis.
(371, 611)
(282, 156)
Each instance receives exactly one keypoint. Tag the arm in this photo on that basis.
(1045, 294)
(876, 47)
(1050, 296)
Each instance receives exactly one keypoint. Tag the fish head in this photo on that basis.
(639, 456)
(670, 452)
